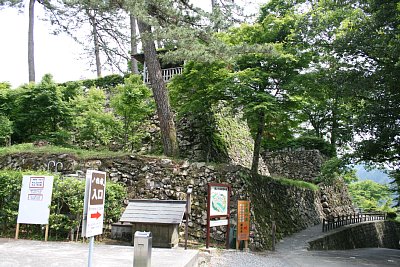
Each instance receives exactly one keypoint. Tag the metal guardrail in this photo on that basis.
(339, 221)
(166, 73)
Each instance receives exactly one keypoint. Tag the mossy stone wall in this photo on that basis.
(292, 208)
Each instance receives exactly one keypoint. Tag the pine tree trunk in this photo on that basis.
(134, 64)
(31, 47)
(93, 23)
(160, 92)
(257, 142)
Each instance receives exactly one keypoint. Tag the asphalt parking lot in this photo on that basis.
(26, 253)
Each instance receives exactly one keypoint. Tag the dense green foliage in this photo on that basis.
(305, 142)
(196, 95)
(132, 102)
(331, 170)
(325, 69)
(72, 114)
(371, 196)
(66, 208)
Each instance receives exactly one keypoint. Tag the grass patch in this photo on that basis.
(296, 183)
(50, 149)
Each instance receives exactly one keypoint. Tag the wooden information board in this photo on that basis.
(243, 222)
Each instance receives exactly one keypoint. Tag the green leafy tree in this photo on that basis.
(133, 103)
(93, 126)
(395, 187)
(39, 111)
(342, 31)
(196, 95)
(330, 86)
(261, 79)
(379, 119)
(371, 196)
(336, 168)
(327, 102)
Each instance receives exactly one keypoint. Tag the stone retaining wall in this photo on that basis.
(382, 234)
(292, 208)
(302, 165)
(335, 200)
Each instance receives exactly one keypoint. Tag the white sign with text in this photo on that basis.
(93, 210)
(35, 199)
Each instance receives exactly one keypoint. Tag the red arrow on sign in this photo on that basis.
(95, 215)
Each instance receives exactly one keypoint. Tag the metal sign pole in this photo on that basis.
(208, 216)
(91, 245)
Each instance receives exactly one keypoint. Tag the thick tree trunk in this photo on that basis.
(160, 93)
(31, 47)
(257, 142)
(134, 64)
(93, 23)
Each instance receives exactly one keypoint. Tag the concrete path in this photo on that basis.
(292, 252)
(27, 253)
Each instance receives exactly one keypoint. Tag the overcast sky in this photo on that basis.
(58, 55)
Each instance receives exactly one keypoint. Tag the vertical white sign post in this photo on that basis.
(93, 210)
(34, 202)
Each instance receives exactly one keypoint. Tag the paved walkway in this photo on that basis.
(292, 252)
(27, 253)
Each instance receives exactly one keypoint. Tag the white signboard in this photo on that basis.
(218, 200)
(214, 223)
(35, 199)
(93, 210)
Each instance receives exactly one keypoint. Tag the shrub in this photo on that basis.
(66, 208)
(306, 142)
(10, 187)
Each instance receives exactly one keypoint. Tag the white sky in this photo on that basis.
(55, 54)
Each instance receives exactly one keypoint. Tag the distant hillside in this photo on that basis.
(374, 175)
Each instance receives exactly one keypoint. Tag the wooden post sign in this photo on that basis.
(243, 221)
(218, 201)
(34, 202)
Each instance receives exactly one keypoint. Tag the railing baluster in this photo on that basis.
(166, 73)
(339, 221)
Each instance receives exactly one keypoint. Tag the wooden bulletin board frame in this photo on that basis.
(218, 206)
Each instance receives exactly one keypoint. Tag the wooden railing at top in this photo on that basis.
(166, 73)
(336, 222)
